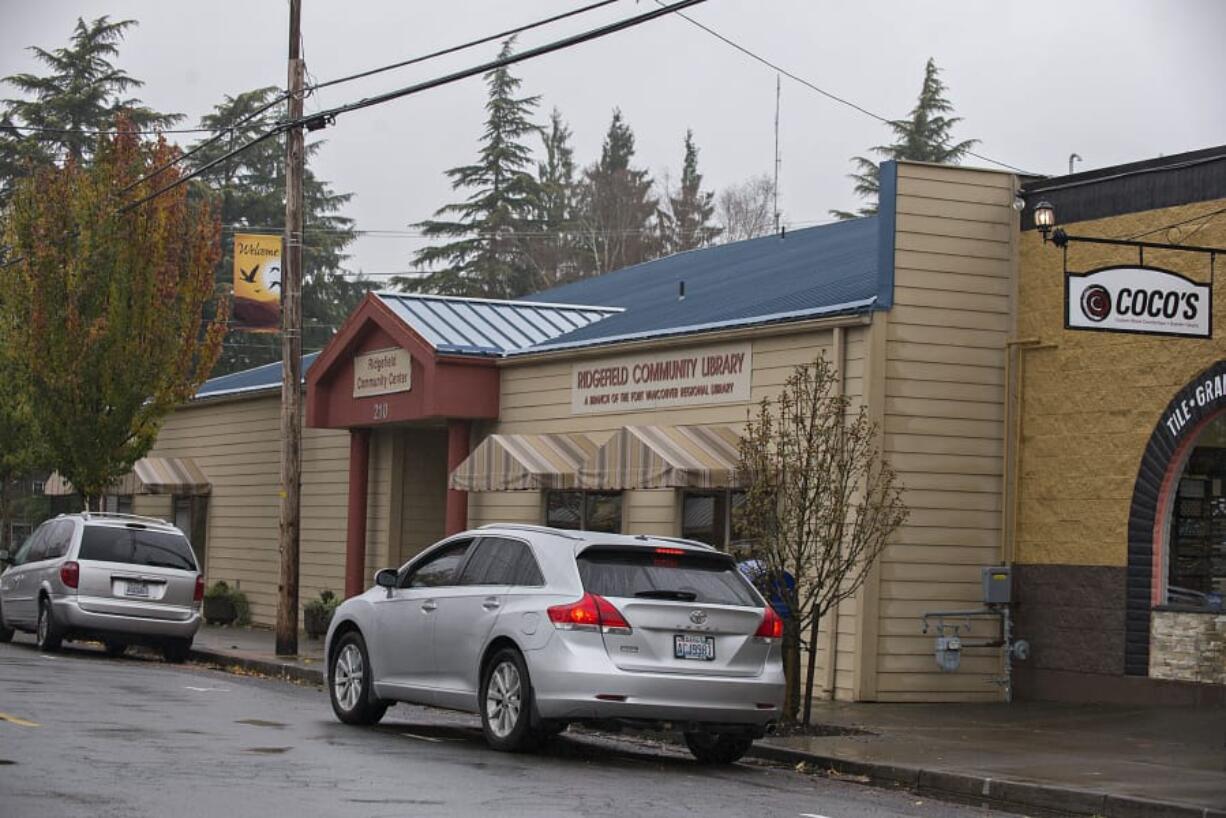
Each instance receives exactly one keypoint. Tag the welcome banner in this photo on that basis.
(257, 283)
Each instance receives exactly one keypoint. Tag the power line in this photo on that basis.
(453, 49)
(822, 91)
(112, 132)
(1206, 216)
(556, 45)
(332, 113)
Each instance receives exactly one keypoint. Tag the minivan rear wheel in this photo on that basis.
(717, 748)
(176, 651)
(48, 634)
(350, 682)
(114, 647)
(506, 703)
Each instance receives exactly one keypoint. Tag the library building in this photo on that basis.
(1038, 354)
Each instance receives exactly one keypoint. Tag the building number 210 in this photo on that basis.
(381, 410)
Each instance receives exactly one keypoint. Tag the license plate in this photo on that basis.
(140, 589)
(691, 646)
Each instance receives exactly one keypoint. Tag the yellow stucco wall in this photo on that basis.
(1091, 400)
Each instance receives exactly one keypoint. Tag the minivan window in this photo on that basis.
(38, 545)
(644, 573)
(137, 546)
(59, 537)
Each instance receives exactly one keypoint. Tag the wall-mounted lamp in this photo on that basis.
(1044, 217)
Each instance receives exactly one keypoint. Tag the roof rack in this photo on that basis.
(105, 515)
(544, 529)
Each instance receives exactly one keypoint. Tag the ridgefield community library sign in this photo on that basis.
(714, 374)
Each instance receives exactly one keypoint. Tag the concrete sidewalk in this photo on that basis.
(1081, 759)
(1115, 762)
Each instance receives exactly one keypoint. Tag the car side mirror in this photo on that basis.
(6, 558)
(387, 578)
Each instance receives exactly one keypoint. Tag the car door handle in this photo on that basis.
(428, 606)
(491, 603)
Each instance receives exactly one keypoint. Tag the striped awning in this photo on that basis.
(656, 457)
(149, 475)
(524, 463)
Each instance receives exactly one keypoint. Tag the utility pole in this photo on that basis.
(291, 352)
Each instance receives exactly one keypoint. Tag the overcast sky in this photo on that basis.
(1113, 80)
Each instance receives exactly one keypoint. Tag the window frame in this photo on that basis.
(723, 499)
(584, 511)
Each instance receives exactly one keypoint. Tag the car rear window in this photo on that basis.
(137, 546)
(645, 573)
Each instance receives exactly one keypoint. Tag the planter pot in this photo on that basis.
(316, 620)
(219, 610)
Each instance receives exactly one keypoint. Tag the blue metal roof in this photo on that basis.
(267, 376)
(478, 326)
(822, 270)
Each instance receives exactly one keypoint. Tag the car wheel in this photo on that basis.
(48, 634)
(114, 647)
(351, 684)
(506, 703)
(175, 651)
(717, 748)
(6, 633)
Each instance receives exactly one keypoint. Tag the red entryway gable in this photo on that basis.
(372, 344)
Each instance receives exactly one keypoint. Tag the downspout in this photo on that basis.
(832, 627)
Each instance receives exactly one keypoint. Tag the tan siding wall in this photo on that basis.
(238, 445)
(943, 419)
(536, 399)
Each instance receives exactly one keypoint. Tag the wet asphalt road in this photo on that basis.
(136, 737)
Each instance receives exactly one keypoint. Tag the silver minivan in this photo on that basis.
(115, 578)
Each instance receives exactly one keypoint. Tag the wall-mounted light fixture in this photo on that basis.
(1045, 221)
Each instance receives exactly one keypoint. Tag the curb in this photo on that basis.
(279, 670)
(991, 791)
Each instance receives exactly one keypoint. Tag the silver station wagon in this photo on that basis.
(115, 578)
(537, 628)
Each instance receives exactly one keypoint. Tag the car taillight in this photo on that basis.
(591, 613)
(772, 625)
(198, 595)
(70, 574)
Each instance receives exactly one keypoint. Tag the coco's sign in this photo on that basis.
(1144, 300)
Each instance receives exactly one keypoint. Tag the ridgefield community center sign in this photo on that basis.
(1146, 300)
(712, 374)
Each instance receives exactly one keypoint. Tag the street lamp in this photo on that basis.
(1044, 217)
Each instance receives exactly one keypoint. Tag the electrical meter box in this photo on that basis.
(996, 585)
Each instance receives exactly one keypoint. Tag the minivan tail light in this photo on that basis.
(591, 613)
(198, 595)
(70, 573)
(772, 625)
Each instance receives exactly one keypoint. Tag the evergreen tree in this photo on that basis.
(688, 224)
(483, 254)
(83, 92)
(551, 246)
(252, 190)
(618, 212)
(925, 136)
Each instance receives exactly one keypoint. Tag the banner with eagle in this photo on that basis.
(257, 283)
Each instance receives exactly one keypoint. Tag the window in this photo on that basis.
(640, 572)
(24, 553)
(499, 561)
(59, 537)
(710, 516)
(584, 510)
(439, 570)
(1196, 559)
(117, 503)
(38, 544)
(137, 546)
